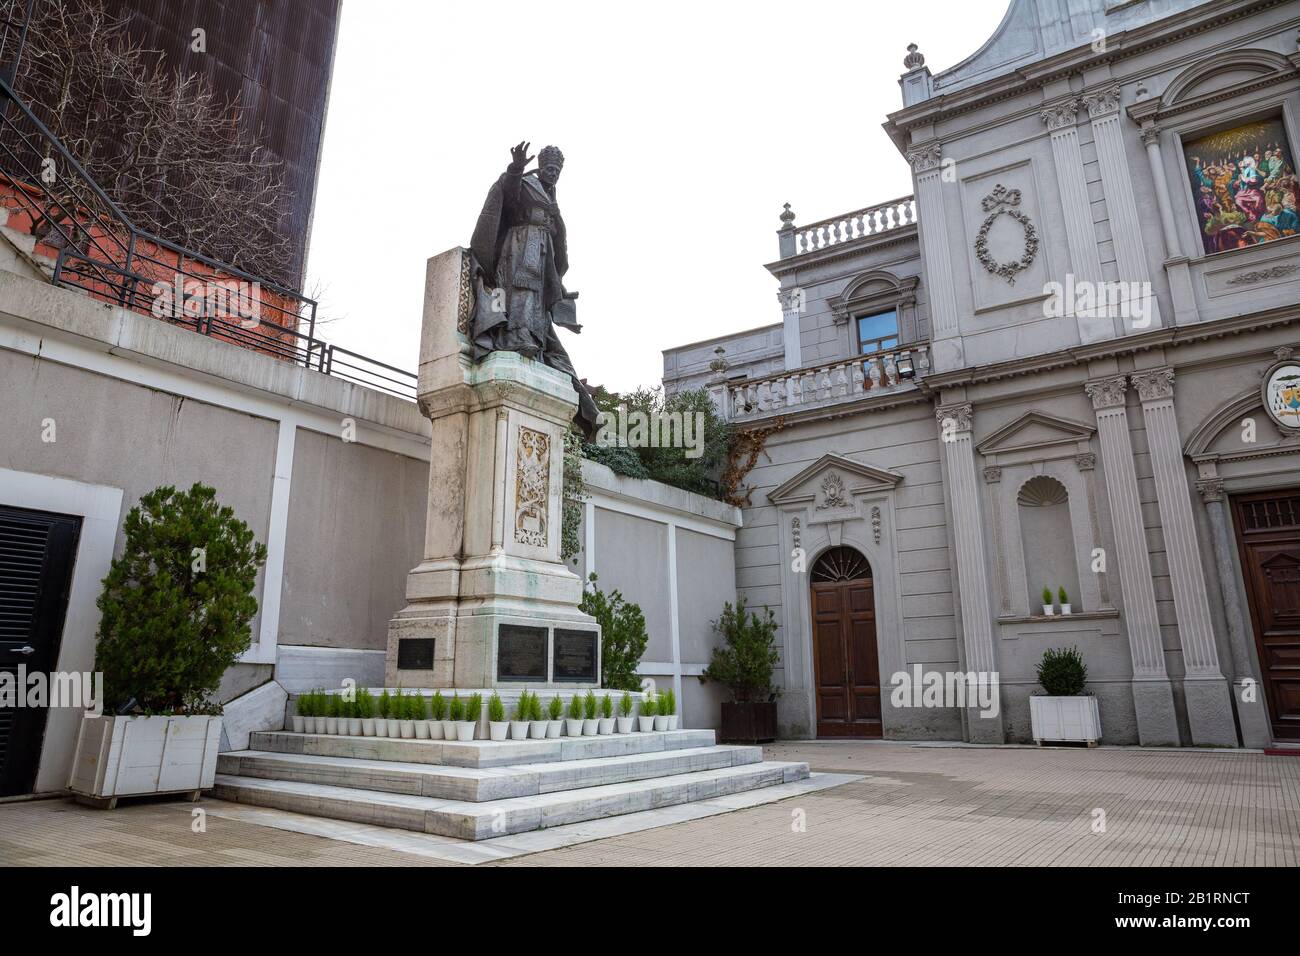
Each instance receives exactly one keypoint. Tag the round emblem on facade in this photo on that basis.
(1281, 394)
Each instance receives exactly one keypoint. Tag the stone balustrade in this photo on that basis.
(881, 218)
(823, 385)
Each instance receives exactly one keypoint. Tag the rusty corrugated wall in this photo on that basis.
(276, 56)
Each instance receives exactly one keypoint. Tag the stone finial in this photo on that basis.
(787, 217)
(914, 59)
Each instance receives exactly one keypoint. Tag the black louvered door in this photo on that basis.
(37, 550)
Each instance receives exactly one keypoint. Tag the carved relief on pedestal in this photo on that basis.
(532, 486)
(465, 296)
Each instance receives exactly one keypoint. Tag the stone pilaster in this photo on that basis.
(932, 224)
(1121, 205)
(1209, 707)
(793, 304)
(1247, 694)
(1085, 263)
(1153, 698)
(1177, 267)
(972, 568)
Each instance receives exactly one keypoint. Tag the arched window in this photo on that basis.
(1048, 541)
(840, 564)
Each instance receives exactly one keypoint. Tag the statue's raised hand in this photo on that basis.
(519, 157)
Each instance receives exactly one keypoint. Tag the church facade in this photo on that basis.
(1050, 400)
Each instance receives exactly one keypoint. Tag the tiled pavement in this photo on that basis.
(916, 805)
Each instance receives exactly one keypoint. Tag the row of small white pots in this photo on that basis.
(385, 727)
(576, 727)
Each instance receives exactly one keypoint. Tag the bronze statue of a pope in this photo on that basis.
(521, 255)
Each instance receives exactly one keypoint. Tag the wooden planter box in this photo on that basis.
(751, 722)
(1072, 719)
(127, 756)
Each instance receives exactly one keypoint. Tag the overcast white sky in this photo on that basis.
(684, 127)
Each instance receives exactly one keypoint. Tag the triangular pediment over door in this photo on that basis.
(831, 480)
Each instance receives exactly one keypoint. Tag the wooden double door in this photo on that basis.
(845, 662)
(1268, 539)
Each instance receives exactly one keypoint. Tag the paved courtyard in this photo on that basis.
(914, 805)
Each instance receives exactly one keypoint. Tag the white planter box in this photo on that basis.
(124, 756)
(1065, 718)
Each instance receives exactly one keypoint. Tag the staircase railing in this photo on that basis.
(96, 248)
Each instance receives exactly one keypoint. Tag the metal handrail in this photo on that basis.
(102, 252)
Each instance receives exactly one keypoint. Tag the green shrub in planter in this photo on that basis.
(668, 702)
(1062, 597)
(535, 708)
(649, 706)
(496, 709)
(456, 711)
(606, 707)
(522, 706)
(575, 708)
(474, 707)
(335, 706)
(415, 706)
(625, 705)
(385, 708)
(306, 704)
(623, 636)
(1047, 596)
(437, 706)
(365, 704)
(748, 656)
(176, 605)
(589, 705)
(556, 708)
(1062, 672)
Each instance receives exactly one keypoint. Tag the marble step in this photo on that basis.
(478, 753)
(482, 821)
(480, 784)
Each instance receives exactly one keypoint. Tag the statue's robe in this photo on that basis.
(521, 255)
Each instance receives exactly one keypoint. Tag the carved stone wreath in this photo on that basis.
(1002, 202)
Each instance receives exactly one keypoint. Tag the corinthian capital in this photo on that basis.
(1154, 384)
(1060, 115)
(1102, 102)
(926, 157)
(954, 418)
(1107, 392)
(1211, 489)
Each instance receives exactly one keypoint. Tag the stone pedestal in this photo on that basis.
(491, 593)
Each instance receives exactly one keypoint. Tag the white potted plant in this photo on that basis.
(668, 707)
(1065, 712)
(383, 706)
(573, 724)
(605, 725)
(661, 712)
(366, 712)
(301, 712)
(175, 615)
(625, 718)
(455, 714)
(519, 723)
(498, 726)
(1065, 601)
(1047, 601)
(405, 718)
(331, 713)
(536, 719)
(395, 714)
(417, 712)
(473, 712)
(645, 721)
(555, 711)
(437, 715)
(354, 717)
(590, 723)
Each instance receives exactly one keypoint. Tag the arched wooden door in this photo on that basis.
(845, 664)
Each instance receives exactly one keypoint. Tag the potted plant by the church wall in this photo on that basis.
(395, 710)
(573, 724)
(519, 723)
(498, 726)
(590, 724)
(366, 712)
(1065, 601)
(555, 721)
(455, 714)
(645, 721)
(625, 719)
(605, 725)
(1065, 712)
(744, 664)
(299, 720)
(437, 714)
(175, 615)
(331, 714)
(668, 707)
(1047, 601)
(536, 718)
(383, 704)
(473, 714)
